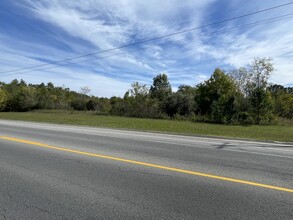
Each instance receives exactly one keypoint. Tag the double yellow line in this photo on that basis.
(147, 164)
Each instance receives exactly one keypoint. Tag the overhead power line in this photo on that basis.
(256, 23)
(152, 39)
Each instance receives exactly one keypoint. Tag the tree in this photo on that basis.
(81, 100)
(85, 90)
(137, 102)
(3, 99)
(161, 87)
(242, 77)
(286, 106)
(262, 69)
(92, 105)
(117, 106)
(187, 90)
(252, 82)
(253, 76)
(179, 103)
(138, 90)
(215, 97)
(283, 100)
(260, 98)
(20, 96)
(79, 103)
(262, 104)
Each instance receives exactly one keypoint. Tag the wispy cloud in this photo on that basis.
(35, 32)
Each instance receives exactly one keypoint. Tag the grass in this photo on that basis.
(260, 132)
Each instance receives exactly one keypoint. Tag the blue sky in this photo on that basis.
(36, 32)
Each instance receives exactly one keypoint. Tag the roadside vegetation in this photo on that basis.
(258, 132)
(241, 97)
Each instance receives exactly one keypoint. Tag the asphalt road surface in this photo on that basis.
(68, 172)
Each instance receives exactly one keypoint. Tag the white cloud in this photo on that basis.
(112, 23)
(187, 59)
(101, 86)
(236, 49)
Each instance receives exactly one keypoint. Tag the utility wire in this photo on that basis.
(260, 22)
(153, 39)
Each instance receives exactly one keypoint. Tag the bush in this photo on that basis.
(243, 118)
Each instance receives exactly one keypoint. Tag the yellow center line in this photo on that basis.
(148, 164)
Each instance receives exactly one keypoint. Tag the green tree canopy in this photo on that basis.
(253, 76)
(3, 99)
(215, 97)
(186, 90)
(161, 87)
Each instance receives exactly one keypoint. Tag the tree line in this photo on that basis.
(241, 96)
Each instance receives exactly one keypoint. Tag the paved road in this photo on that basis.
(63, 173)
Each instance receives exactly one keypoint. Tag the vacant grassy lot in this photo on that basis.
(272, 133)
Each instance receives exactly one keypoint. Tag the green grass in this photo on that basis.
(269, 133)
